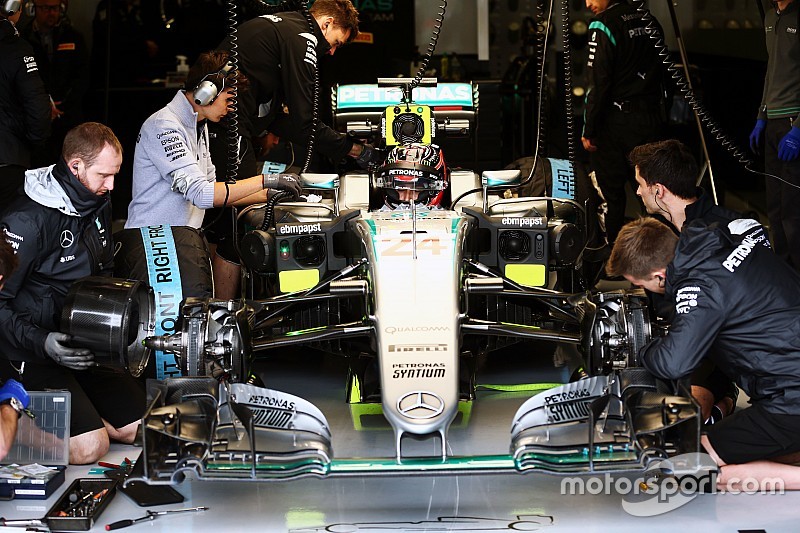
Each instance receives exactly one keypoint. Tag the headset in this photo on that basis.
(10, 7)
(207, 91)
(30, 8)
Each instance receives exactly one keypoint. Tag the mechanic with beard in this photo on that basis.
(666, 175)
(777, 125)
(24, 105)
(278, 54)
(624, 102)
(738, 302)
(61, 232)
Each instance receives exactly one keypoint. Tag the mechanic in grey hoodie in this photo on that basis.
(60, 230)
(174, 180)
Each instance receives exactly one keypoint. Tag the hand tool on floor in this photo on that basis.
(151, 515)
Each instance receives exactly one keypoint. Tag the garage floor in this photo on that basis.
(511, 502)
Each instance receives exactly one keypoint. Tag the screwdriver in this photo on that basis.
(151, 515)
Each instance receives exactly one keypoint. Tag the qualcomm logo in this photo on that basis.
(420, 405)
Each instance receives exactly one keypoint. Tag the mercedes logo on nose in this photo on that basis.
(67, 238)
(420, 405)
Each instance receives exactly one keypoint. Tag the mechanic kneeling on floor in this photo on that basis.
(61, 232)
(738, 297)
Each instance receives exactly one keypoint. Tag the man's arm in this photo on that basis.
(699, 316)
(166, 147)
(17, 329)
(8, 428)
(297, 77)
(35, 101)
(602, 44)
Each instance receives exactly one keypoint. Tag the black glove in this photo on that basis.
(72, 358)
(370, 154)
(283, 182)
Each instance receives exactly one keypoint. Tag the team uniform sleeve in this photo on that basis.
(602, 45)
(298, 65)
(176, 161)
(35, 101)
(17, 329)
(699, 316)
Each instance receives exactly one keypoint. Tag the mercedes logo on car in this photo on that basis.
(420, 405)
(67, 238)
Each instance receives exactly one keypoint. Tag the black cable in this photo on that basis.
(315, 101)
(269, 210)
(426, 58)
(565, 29)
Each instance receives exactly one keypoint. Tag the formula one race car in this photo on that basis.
(412, 271)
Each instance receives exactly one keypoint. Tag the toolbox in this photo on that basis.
(81, 504)
(43, 441)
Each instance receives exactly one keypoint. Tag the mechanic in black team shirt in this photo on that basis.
(624, 103)
(738, 302)
(666, 175)
(278, 54)
(60, 230)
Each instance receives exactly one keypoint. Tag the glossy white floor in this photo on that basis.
(380, 504)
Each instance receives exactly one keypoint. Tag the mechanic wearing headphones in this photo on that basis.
(13, 396)
(738, 302)
(24, 105)
(666, 175)
(61, 232)
(777, 125)
(63, 61)
(624, 102)
(278, 54)
(174, 180)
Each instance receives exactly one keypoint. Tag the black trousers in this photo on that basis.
(619, 134)
(11, 179)
(783, 200)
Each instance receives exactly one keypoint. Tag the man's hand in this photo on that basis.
(588, 145)
(757, 135)
(789, 147)
(72, 358)
(370, 154)
(283, 182)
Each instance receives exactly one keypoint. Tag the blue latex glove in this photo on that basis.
(370, 155)
(14, 389)
(789, 147)
(757, 135)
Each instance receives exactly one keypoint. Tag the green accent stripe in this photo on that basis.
(526, 387)
(602, 27)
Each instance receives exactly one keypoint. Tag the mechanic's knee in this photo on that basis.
(125, 434)
(88, 447)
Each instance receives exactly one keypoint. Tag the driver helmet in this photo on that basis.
(414, 167)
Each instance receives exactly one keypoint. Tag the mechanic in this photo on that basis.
(63, 59)
(738, 297)
(24, 105)
(779, 110)
(61, 232)
(174, 180)
(278, 54)
(666, 175)
(624, 102)
(13, 396)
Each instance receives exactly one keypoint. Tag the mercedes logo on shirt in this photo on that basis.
(420, 405)
(67, 238)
